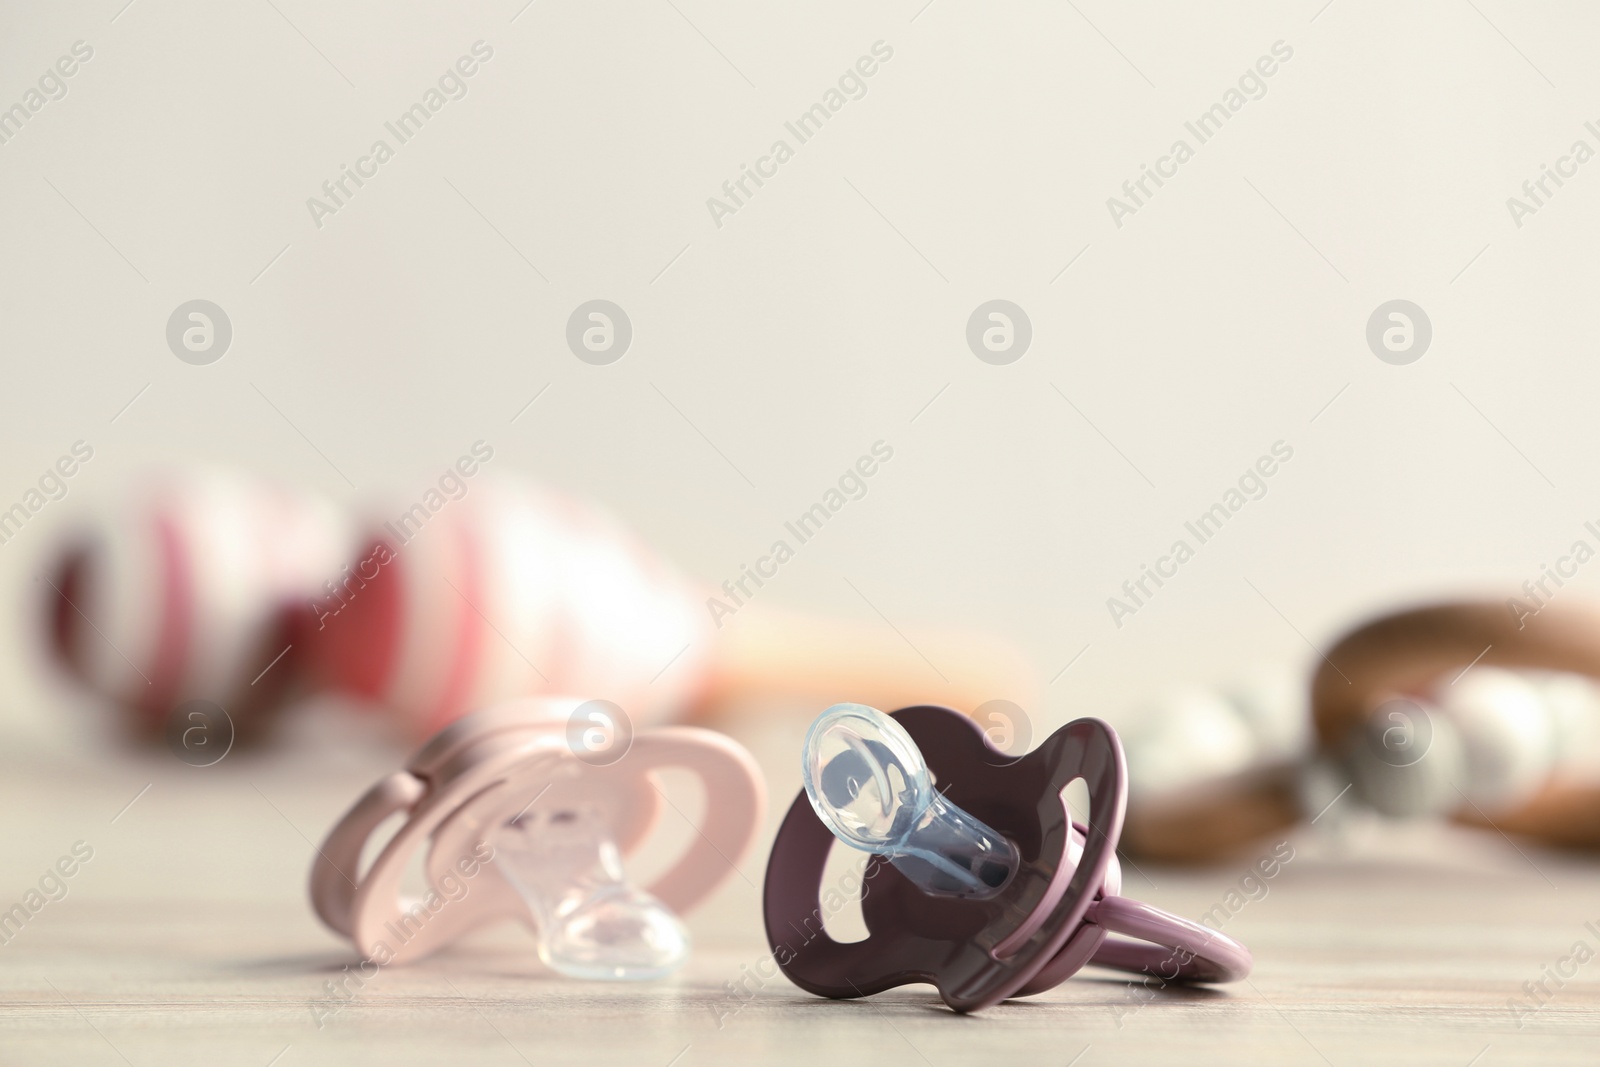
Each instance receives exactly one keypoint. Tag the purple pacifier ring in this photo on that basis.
(1046, 922)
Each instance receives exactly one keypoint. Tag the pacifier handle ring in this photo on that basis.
(1164, 945)
(336, 872)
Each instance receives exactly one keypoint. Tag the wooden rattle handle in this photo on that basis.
(765, 657)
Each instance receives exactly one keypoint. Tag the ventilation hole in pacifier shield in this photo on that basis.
(375, 843)
(839, 897)
(681, 805)
(1076, 797)
(413, 877)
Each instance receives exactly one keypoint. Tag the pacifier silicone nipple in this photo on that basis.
(592, 923)
(868, 783)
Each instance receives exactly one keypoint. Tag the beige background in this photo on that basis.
(1195, 336)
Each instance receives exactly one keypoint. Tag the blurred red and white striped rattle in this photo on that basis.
(484, 590)
(188, 587)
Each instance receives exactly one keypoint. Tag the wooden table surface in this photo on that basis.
(188, 938)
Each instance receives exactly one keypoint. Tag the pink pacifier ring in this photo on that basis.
(461, 789)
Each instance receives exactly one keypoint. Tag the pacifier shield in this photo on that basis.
(975, 951)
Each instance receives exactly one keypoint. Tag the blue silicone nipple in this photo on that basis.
(869, 785)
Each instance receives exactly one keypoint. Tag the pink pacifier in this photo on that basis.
(526, 810)
(983, 886)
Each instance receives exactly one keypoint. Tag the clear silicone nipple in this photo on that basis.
(592, 923)
(869, 785)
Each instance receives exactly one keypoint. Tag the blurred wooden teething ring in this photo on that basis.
(1409, 651)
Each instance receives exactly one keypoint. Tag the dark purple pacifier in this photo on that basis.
(983, 886)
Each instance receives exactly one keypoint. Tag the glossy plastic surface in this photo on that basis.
(591, 922)
(869, 784)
